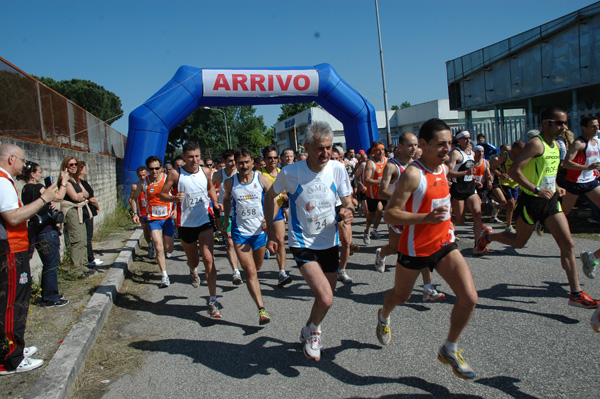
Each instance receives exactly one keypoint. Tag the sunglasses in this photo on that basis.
(557, 123)
(72, 164)
(209, 165)
(154, 168)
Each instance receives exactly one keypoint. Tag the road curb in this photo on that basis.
(58, 379)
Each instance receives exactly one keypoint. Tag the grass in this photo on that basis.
(119, 219)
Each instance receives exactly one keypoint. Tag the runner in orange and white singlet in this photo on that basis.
(421, 203)
(372, 177)
(159, 213)
(139, 206)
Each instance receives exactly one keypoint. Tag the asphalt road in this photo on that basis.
(523, 340)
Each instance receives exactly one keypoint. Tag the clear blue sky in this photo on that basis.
(133, 48)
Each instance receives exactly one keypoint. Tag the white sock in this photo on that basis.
(428, 287)
(384, 320)
(195, 270)
(314, 328)
(451, 346)
(164, 274)
(282, 273)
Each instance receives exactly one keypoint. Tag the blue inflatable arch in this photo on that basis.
(190, 88)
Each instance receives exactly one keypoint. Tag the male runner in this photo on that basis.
(271, 157)
(219, 178)
(534, 169)
(244, 193)
(463, 190)
(372, 177)
(313, 237)
(510, 188)
(139, 207)
(193, 191)
(160, 214)
(421, 203)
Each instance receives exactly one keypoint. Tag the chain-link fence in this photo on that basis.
(31, 111)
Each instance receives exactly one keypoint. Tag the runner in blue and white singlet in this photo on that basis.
(247, 206)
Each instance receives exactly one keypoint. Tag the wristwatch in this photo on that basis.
(536, 190)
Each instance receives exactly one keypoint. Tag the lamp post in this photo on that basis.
(226, 129)
(385, 103)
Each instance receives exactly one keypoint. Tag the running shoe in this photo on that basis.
(539, 228)
(304, 334)
(459, 365)
(354, 248)
(583, 300)
(595, 321)
(510, 229)
(495, 220)
(379, 261)
(477, 252)
(367, 238)
(312, 346)
(284, 279)
(267, 254)
(589, 266)
(151, 251)
(169, 255)
(384, 332)
(432, 295)
(263, 316)
(344, 277)
(164, 282)
(236, 278)
(30, 351)
(375, 235)
(482, 241)
(27, 364)
(213, 310)
(194, 279)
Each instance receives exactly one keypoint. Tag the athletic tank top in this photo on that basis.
(587, 156)
(373, 191)
(247, 205)
(224, 177)
(13, 239)
(156, 209)
(479, 174)
(272, 179)
(509, 182)
(142, 204)
(422, 240)
(467, 163)
(193, 210)
(398, 165)
(542, 169)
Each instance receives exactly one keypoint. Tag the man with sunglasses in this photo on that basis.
(15, 273)
(159, 213)
(535, 169)
(271, 158)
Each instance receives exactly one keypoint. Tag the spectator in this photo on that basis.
(488, 149)
(88, 217)
(44, 232)
(72, 206)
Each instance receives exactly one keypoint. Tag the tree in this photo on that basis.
(90, 96)
(395, 107)
(405, 104)
(289, 110)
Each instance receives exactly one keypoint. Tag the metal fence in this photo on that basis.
(497, 134)
(31, 111)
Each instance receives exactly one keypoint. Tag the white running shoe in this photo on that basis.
(344, 277)
(213, 310)
(367, 238)
(312, 346)
(379, 261)
(30, 351)
(164, 282)
(27, 364)
(236, 279)
(432, 295)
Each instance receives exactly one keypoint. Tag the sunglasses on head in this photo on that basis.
(558, 123)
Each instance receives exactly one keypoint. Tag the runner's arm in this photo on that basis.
(165, 194)
(386, 178)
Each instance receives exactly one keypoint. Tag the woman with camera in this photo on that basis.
(88, 217)
(44, 232)
(72, 205)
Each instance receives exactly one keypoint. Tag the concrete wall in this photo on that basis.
(102, 176)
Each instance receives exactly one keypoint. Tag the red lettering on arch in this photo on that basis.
(239, 80)
(257, 81)
(221, 83)
(270, 77)
(297, 82)
(286, 85)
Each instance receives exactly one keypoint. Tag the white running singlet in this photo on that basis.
(193, 210)
(247, 205)
(312, 202)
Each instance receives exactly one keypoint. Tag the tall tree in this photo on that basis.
(289, 110)
(405, 104)
(90, 96)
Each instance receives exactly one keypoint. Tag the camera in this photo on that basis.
(51, 216)
(48, 181)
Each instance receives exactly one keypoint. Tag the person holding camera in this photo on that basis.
(44, 231)
(88, 217)
(72, 206)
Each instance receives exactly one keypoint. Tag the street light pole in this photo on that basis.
(385, 103)
(226, 129)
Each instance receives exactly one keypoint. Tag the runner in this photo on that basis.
(193, 191)
(421, 202)
(463, 190)
(139, 207)
(244, 193)
(217, 179)
(313, 237)
(271, 171)
(510, 188)
(534, 169)
(405, 152)
(160, 214)
(372, 177)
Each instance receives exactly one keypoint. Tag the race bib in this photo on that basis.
(144, 203)
(468, 165)
(435, 203)
(249, 212)
(318, 215)
(160, 211)
(548, 182)
(194, 199)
